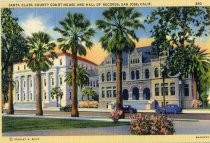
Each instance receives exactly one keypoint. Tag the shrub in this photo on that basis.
(88, 104)
(116, 115)
(196, 103)
(142, 124)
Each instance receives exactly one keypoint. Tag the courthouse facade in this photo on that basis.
(25, 82)
(141, 81)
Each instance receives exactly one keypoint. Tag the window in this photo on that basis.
(186, 90)
(97, 83)
(156, 72)
(102, 77)
(17, 86)
(108, 76)
(24, 83)
(24, 67)
(114, 76)
(91, 84)
(94, 84)
(30, 96)
(114, 91)
(157, 91)
(137, 74)
(45, 82)
(18, 68)
(132, 75)
(113, 60)
(165, 90)
(31, 82)
(52, 81)
(172, 88)
(61, 81)
(24, 96)
(102, 92)
(18, 97)
(109, 92)
(146, 73)
(124, 76)
(45, 95)
(61, 62)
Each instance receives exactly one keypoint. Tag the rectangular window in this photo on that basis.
(114, 92)
(18, 68)
(109, 92)
(61, 81)
(24, 67)
(94, 84)
(103, 94)
(172, 88)
(31, 96)
(165, 90)
(52, 81)
(186, 90)
(61, 62)
(30, 83)
(45, 82)
(24, 83)
(157, 91)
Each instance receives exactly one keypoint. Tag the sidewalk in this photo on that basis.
(199, 111)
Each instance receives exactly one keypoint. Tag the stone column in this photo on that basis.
(27, 88)
(20, 88)
(129, 95)
(48, 85)
(141, 95)
(33, 88)
(56, 77)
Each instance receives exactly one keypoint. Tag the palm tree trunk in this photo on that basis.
(10, 93)
(39, 110)
(119, 101)
(74, 111)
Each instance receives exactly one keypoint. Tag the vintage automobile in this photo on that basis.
(127, 108)
(170, 108)
(66, 108)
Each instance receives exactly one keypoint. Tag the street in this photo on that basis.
(106, 114)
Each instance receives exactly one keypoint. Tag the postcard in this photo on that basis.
(105, 71)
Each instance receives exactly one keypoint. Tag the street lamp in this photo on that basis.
(180, 92)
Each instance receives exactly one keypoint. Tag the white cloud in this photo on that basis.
(34, 24)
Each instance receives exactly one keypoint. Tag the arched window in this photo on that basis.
(132, 75)
(156, 72)
(137, 74)
(102, 77)
(124, 75)
(108, 75)
(114, 76)
(146, 73)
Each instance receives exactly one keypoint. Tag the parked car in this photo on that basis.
(129, 109)
(66, 108)
(126, 108)
(170, 108)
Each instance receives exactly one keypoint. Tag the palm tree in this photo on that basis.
(76, 34)
(57, 93)
(200, 65)
(82, 77)
(88, 92)
(119, 25)
(40, 58)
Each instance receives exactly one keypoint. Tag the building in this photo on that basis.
(142, 81)
(25, 82)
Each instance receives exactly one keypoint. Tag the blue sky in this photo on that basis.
(45, 19)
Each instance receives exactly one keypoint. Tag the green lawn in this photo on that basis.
(28, 124)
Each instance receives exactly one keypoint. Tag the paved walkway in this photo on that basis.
(181, 127)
